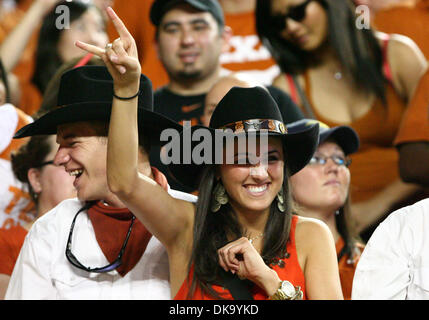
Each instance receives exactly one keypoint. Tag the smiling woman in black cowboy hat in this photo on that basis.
(242, 227)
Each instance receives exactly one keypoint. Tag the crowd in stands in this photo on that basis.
(335, 207)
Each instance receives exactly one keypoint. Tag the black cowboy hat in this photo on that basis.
(245, 110)
(86, 94)
(345, 136)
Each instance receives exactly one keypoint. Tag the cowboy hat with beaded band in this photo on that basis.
(244, 110)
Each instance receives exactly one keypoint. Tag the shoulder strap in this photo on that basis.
(84, 60)
(386, 66)
(342, 252)
(295, 91)
(292, 87)
(307, 108)
(239, 289)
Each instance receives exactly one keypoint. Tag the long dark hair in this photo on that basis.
(357, 50)
(3, 78)
(47, 58)
(50, 97)
(347, 230)
(211, 230)
(30, 155)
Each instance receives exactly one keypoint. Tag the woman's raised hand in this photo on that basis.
(120, 56)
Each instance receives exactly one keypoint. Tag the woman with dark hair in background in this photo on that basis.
(4, 86)
(50, 97)
(17, 46)
(56, 38)
(48, 185)
(321, 191)
(341, 74)
(61, 23)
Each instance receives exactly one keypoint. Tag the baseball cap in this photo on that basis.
(345, 136)
(160, 7)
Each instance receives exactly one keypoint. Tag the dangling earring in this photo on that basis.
(219, 197)
(337, 213)
(280, 201)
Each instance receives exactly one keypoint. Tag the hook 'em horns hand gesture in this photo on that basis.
(120, 57)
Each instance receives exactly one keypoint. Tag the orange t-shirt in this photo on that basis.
(20, 120)
(24, 69)
(16, 206)
(31, 98)
(135, 15)
(347, 267)
(11, 241)
(411, 21)
(247, 55)
(291, 272)
(415, 121)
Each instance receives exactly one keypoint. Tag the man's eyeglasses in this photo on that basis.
(338, 160)
(74, 261)
(296, 13)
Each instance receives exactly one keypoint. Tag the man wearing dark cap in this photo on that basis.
(190, 37)
(92, 247)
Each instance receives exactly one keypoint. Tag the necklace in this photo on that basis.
(256, 238)
(338, 75)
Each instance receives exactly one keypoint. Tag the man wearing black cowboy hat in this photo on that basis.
(92, 247)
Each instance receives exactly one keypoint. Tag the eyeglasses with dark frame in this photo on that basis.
(296, 13)
(75, 262)
(338, 160)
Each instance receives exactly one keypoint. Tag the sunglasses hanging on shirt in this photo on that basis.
(111, 266)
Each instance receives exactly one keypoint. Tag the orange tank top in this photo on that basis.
(347, 267)
(375, 165)
(291, 271)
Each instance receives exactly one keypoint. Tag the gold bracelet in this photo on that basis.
(287, 291)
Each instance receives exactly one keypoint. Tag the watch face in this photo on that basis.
(288, 288)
